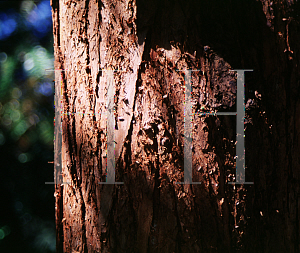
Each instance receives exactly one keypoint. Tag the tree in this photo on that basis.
(148, 44)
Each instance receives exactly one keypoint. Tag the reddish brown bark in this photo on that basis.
(150, 42)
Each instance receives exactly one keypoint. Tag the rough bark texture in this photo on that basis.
(149, 42)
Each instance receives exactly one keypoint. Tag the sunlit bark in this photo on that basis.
(149, 44)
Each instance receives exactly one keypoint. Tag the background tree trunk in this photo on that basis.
(149, 42)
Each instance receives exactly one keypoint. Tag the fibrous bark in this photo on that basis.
(149, 44)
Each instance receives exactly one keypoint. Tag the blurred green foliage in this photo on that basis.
(24, 105)
(26, 127)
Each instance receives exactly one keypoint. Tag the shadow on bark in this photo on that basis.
(258, 218)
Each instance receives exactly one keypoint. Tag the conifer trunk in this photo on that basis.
(149, 44)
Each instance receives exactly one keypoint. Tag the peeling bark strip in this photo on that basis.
(145, 44)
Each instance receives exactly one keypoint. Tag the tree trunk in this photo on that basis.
(149, 44)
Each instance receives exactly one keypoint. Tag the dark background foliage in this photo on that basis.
(26, 127)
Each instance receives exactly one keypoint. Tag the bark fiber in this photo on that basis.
(149, 43)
